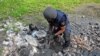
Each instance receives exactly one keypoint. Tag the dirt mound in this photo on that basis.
(89, 10)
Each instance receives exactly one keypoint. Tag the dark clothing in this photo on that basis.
(60, 21)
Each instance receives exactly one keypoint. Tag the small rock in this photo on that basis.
(60, 54)
(98, 45)
(41, 34)
(1, 30)
(31, 40)
(83, 16)
(98, 39)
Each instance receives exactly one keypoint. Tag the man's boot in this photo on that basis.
(66, 44)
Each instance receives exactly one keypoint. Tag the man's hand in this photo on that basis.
(60, 31)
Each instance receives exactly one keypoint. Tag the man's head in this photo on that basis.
(50, 13)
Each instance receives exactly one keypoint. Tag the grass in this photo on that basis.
(1, 51)
(17, 8)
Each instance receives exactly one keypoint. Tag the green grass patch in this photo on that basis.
(1, 49)
(17, 8)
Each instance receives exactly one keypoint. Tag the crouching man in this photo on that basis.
(58, 24)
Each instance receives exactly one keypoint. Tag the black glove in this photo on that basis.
(53, 35)
(32, 27)
(49, 32)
